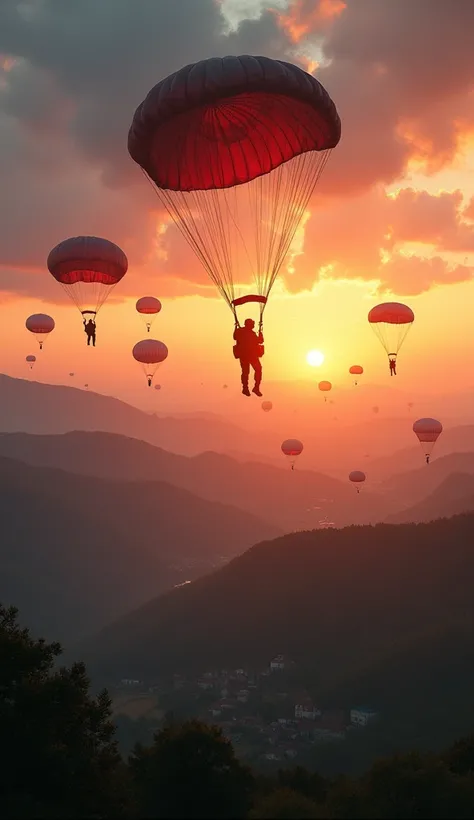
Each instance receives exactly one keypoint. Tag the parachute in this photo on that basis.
(357, 477)
(325, 387)
(234, 147)
(375, 409)
(149, 307)
(150, 353)
(292, 448)
(41, 325)
(86, 386)
(427, 432)
(266, 406)
(71, 374)
(356, 370)
(391, 322)
(157, 386)
(30, 359)
(88, 268)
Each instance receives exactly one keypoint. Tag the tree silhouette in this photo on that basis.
(190, 771)
(60, 757)
(285, 804)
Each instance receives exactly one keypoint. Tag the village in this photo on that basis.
(266, 715)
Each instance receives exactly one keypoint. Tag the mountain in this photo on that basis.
(454, 495)
(33, 407)
(288, 499)
(78, 551)
(332, 600)
(459, 439)
(411, 487)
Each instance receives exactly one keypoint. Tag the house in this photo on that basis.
(279, 663)
(308, 710)
(215, 710)
(205, 684)
(362, 715)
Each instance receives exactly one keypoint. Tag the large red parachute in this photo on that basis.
(234, 147)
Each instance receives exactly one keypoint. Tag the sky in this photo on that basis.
(392, 217)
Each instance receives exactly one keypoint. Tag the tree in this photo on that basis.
(190, 771)
(415, 785)
(299, 779)
(60, 758)
(284, 804)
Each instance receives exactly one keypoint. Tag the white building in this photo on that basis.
(362, 716)
(279, 663)
(307, 710)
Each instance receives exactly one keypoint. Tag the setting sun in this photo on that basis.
(315, 358)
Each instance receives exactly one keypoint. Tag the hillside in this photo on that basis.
(332, 600)
(33, 407)
(456, 440)
(454, 495)
(411, 487)
(77, 552)
(291, 500)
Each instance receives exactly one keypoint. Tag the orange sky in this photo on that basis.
(409, 193)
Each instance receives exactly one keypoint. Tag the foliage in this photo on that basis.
(190, 771)
(61, 757)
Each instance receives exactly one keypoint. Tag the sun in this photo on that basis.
(315, 358)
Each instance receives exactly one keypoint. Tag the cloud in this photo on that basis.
(353, 238)
(411, 275)
(72, 74)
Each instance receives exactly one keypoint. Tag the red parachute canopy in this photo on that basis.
(391, 322)
(356, 370)
(157, 386)
(149, 307)
(357, 476)
(324, 386)
(292, 448)
(150, 353)
(427, 432)
(40, 324)
(234, 147)
(88, 268)
(266, 406)
(30, 359)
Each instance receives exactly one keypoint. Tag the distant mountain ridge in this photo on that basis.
(33, 407)
(289, 499)
(77, 551)
(453, 496)
(334, 601)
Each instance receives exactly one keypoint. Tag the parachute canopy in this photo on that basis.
(40, 324)
(157, 386)
(234, 147)
(375, 409)
(150, 353)
(30, 359)
(266, 406)
(88, 268)
(292, 448)
(71, 374)
(149, 307)
(427, 432)
(357, 476)
(356, 370)
(391, 322)
(325, 386)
